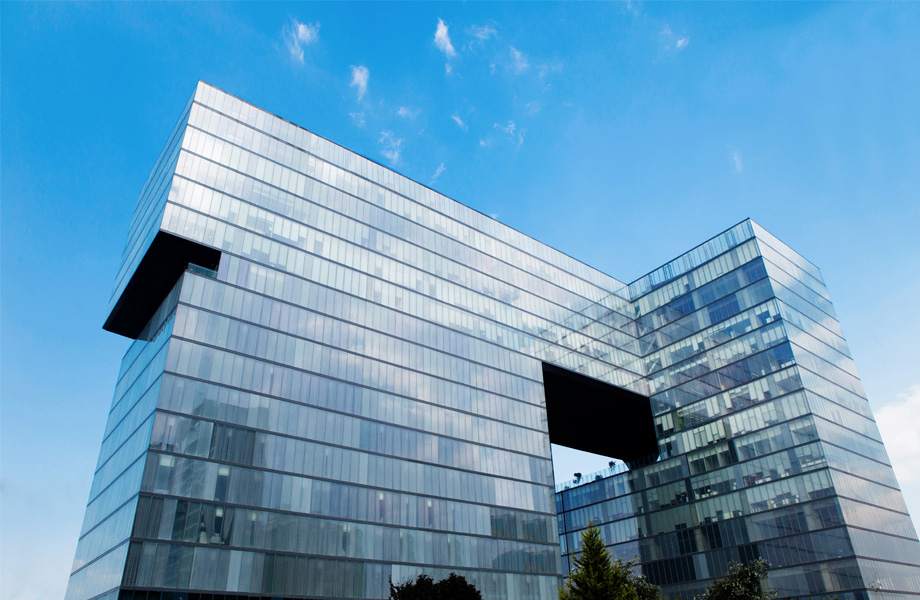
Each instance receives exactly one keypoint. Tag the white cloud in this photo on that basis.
(407, 113)
(737, 161)
(485, 143)
(459, 122)
(897, 421)
(442, 40)
(358, 118)
(448, 69)
(494, 216)
(532, 107)
(519, 62)
(438, 172)
(296, 35)
(359, 77)
(669, 42)
(509, 128)
(482, 33)
(391, 146)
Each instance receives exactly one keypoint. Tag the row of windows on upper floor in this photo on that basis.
(154, 186)
(700, 320)
(324, 427)
(690, 349)
(284, 415)
(779, 522)
(697, 278)
(264, 280)
(337, 349)
(229, 370)
(384, 310)
(793, 256)
(691, 260)
(473, 229)
(356, 282)
(146, 221)
(705, 296)
(792, 269)
(847, 389)
(387, 253)
(242, 198)
(323, 228)
(716, 334)
(713, 375)
(239, 446)
(851, 411)
(705, 470)
(718, 357)
(806, 316)
(199, 479)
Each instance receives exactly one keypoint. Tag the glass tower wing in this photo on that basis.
(767, 443)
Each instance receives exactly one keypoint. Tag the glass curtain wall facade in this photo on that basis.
(336, 379)
(767, 443)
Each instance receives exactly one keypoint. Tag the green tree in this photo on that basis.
(742, 582)
(454, 587)
(597, 577)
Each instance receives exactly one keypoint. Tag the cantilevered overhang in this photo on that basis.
(165, 260)
(596, 417)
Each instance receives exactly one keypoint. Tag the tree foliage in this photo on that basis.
(742, 582)
(598, 577)
(454, 587)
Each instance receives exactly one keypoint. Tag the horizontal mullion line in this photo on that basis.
(321, 517)
(336, 481)
(342, 447)
(336, 558)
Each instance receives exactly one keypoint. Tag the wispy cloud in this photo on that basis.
(737, 162)
(512, 131)
(519, 63)
(483, 32)
(296, 35)
(442, 40)
(438, 172)
(532, 107)
(633, 6)
(459, 122)
(358, 118)
(897, 422)
(390, 146)
(485, 142)
(669, 42)
(359, 77)
(407, 113)
(509, 128)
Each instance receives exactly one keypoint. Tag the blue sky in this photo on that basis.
(622, 134)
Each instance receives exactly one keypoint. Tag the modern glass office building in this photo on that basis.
(341, 377)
